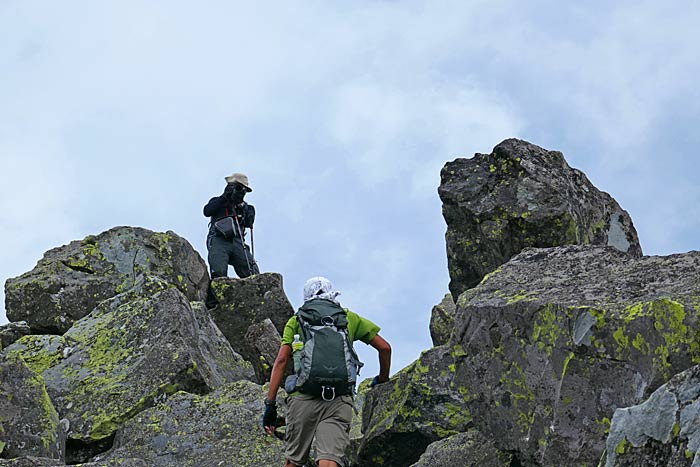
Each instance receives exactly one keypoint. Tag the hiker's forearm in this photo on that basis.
(278, 372)
(384, 349)
(384, 364)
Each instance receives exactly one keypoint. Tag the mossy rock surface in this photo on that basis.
(130, 352)
(664, 430)
(442, 320)
(29, 423)
(69, 281)
(548, 346)
(221, 428)
(519, 196)
(247, 302)
(46, 462)
(418, 406)
(469, 449)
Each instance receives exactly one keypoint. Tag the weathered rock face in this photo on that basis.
(265, 341)
(10, 332)
(29, 424)
(130, 352)
(246, 302)
(470, 449)
(222, 428)
(442, 320)
(662, 431)
(549, 345)
(69, 281)
(31, 461)
(418, 406)
(520, 196)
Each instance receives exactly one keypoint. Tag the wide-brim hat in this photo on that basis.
(239, 178)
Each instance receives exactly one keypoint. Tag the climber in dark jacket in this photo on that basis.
(230, 217)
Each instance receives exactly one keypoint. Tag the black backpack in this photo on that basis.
(329, 364)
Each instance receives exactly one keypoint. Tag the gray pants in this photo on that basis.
(223, 252)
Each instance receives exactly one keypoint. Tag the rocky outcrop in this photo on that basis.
(549, 345)
(221, 428)
(10, 332)
(520, 196)
(470, 449)
(69, 281)
(130, 352)
(29, 423)
(662, 431)
(543, 351)
(416, 407)
(442, 320)
(247, 302)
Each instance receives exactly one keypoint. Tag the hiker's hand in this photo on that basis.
(269, 418)
(228, 192)
(376, 381)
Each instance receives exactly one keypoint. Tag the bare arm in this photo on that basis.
(384, 350)
(278, 370)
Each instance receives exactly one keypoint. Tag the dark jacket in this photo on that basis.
(219, 207)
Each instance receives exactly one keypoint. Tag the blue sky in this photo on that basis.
(342, 114)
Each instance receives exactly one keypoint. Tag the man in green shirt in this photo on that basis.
(311, 415)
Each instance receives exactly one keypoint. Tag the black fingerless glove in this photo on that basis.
(269, 418)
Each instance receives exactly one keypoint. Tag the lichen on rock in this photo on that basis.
(69, 281)
(29, 423)
(130, 352)
(519, 196)
(221, 428)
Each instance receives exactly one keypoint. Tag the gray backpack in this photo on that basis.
(329, 364)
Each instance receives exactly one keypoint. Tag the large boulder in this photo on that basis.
(130, 352)
(220, 429)
(464, 449)
(520, 196)
(663, 431)
(246, 302)
(547, 347)
(29, 423)
(69, 281)
(418, 406)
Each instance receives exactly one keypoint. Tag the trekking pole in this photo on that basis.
(252, 243)
(240, 234)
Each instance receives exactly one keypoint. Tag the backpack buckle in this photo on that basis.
(327, 321)
(324, 390)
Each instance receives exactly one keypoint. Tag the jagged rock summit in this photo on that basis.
(536, 350)
(518, 196)
(128, 335)
(69, 281)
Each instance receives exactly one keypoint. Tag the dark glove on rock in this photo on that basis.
(269, 418)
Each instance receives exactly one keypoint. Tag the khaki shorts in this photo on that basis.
(329, 421)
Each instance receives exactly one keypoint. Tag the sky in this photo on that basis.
(342, 115)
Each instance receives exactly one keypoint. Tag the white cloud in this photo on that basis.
(397, 132)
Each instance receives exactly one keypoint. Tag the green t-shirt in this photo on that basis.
(359, 329)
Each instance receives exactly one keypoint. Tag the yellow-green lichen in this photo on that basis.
(622, 446)
(547, 329)
(39, 352)
(572, 234)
